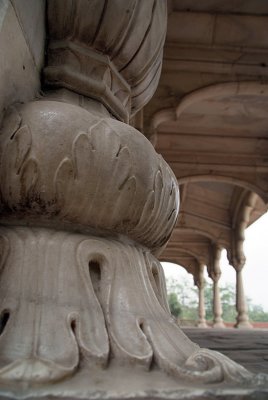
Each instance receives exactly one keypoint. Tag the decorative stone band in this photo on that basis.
(64, 166)
(88, 73)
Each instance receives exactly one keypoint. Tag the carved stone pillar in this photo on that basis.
(242, 320)
(200, 283)
(237, 257)
(214, 271)
(87, 204)
(217, 308)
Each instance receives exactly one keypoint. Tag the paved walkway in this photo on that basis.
(247, 347)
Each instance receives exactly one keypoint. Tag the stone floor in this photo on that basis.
(247, 347)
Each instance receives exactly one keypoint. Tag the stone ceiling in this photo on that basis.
(209, 121)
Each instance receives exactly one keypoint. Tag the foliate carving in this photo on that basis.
(160, 206)
(20, 172)
(92, 173)
(100, 168)
(97, 77)
(54, 315)
(65, 310)
(96, 49)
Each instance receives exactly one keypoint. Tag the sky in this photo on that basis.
(255, 272)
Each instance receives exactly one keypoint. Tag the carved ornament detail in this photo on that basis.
(65, 309)
(95, 173)
(96, 49)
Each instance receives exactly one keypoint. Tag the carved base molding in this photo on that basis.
(74, 303)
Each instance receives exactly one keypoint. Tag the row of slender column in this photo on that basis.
(242, 320)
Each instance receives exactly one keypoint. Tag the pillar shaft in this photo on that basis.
(201, 308)
(214, 272)
(242, 320)
(201, 297)
(217, 308)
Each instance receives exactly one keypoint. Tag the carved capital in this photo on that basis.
(214, 269)
(199, 280)
(241, 218)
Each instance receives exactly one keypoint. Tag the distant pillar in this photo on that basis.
(214, 271)
(201, 298)
(242, 320)
(237, 257)
(217, 308)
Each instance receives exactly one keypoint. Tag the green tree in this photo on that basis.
(256, 313)
(208, 295)
(187, 299)
(228, 303)
(227, 294)
(186, 293)
(174, 305)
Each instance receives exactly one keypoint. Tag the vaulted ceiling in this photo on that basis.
(209, 121)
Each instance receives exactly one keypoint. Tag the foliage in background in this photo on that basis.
(183, 302)
(174, 305)
(182, 296)
(256, 312)
(227, 293)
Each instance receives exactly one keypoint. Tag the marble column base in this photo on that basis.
(243, 325)
(219, 324)
(79, 311)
